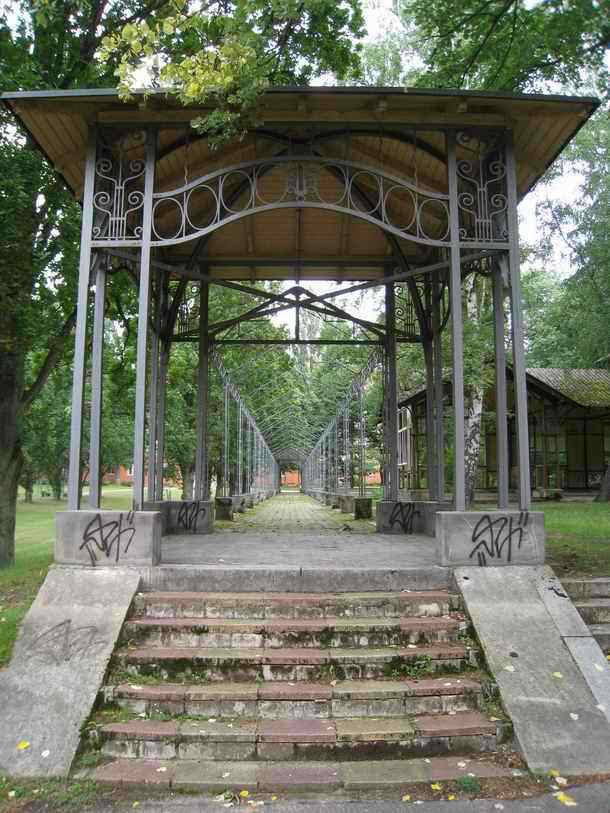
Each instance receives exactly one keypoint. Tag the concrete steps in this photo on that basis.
(385, 777)
(305, 739)
(328, 632)
(295, 605)
(282, 700)
(280, 691)
(591, 598)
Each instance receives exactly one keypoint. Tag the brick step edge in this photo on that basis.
(257, 777)
(313, 730)
(293, 656)
(362, 624)
(281, 690)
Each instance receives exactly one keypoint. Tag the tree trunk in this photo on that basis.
(604, 487)
(27, 481)
(188, 473)
(11, 457)
(472, 431)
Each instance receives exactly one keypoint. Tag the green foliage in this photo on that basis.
(226, 54)
(507, 44)
(469, 784)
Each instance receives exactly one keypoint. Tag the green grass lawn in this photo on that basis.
(578, 543)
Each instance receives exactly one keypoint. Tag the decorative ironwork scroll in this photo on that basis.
(118, 198)
(388, 201)
(482, 193)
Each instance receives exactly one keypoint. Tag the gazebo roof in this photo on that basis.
(394, 130)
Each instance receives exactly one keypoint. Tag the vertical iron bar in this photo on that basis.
(225, 445)
(201, 457)
(153, 415)
(80, 341)
(362, 454)
(501, 405)
(391, 395)
(97, 383)
(457, 332)
(519, 379)
(439, 389)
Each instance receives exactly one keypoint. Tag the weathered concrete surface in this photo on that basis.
(184, 516)
(363, 507)
(224, 508)
(346, 503)
(240, 502)
(58, 666)
(408, 517)
(491, 538)
(556, 718)
(108, 538)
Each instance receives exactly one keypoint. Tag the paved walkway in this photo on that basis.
(294, 513)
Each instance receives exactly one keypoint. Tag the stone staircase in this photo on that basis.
(284, 691)
(591, 598)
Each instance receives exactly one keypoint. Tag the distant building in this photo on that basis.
(569, 432)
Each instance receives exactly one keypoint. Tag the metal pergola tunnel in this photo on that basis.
(405, 191)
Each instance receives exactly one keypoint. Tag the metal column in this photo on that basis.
(391, 397)
(439, 390)
(80, 341)
(97, 379)
(153, 416)
(519, 380)
(143, 309)
(457, 332)
(501, 405)
(201, 458)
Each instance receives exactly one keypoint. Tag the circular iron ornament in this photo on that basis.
(190, 196)
(445, 215)
(386, 216)
(342, 180)
(224, 182)
(155, 213)
(265, 170)
(353, 194)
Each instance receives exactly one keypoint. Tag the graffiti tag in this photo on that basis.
(494, 538)
(108, 537)
(62, 642)
(189, 513)
(403, 515)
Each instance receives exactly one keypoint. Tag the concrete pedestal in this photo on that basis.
(224, 508)
(184, 516)
(409, 516)
(491, 538)
(108, 538)
(239, 503)
(346, 503)
(363, 507)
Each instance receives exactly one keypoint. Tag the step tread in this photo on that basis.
(292, 598)
(282, 690)
(349, 729)
(288, 775)
(294, 655)
(296, 624)
(592, 603)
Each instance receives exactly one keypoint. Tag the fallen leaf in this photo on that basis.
(561, 780)
(436, 786)
(451, 797)
(333, 683)
(244, 794)
(136, 804)
(498, 806)
(274, 798)
(553, 772)
(566, 799)
(557, 675)
(45, 754)
(601, 707)
(573, 715)
(598, 667)
(12, 794)
(509, 668)
(406, 798)
(461, 765)
(228, 773)
(23, 745)
(163, 769)
(494, 719)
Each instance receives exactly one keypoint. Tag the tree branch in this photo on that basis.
(49, 363)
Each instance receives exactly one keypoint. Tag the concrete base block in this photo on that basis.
(491, 538)
(409, 517)
(239, 503)
(250, 501)
(108, 538)
(363, 507)
(184, 516)
(224, 508)
(346, 503)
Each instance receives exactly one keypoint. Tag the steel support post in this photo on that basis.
(362, 442)
(153, 415)
(225, 444)
(457, 330)
(248, 456)
(80, 341)
(97, 378)
(502, 461)
(519, 379)
(163, 365)
(439, 390)
(428, 346)
(347, 470)
(391, 397)
(336, 457)
(201, 457)
(238, 474)
(143, 311)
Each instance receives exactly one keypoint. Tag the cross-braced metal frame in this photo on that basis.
(471, 225)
